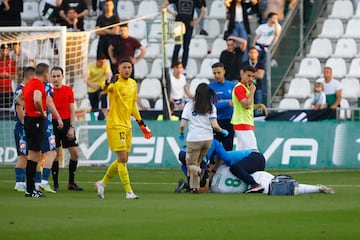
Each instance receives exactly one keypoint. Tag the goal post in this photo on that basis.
(48, 44)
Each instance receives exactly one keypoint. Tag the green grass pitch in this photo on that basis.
(162, 214)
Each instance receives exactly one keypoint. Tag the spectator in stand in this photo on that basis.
(7, 74)
(124, 46)
(266, 34)
(185, 13)
(259, 73)
(332, 89)
(224, 105)
(106, 19)
(10, 12)
(22, 59)
(96, 73)
(81, 9)
(318, 99)
(179, 86)
(51, 10)
(232, 57)
(278, 6)
(73, 24)
(238, 20)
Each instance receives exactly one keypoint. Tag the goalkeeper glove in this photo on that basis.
(224, 132)
(146, 131)
(182, 137)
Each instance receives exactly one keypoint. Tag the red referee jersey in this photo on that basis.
(28, 91)
(63, 96)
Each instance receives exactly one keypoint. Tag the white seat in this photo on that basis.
(156, 68)
(152, 49)
(344, 113)
(354, 70)
(205, 68)
(345, 48)
(85, 104)
(198, 48)
(46, 49)
(289, 103)
(147, 8)
(158, 104)
(93, 48)
(212, 26)
(90, 25)
(150, 88)
(31, 47)
(155, 30)
(80, 89)
(307, 104)
(217, 10)
(338, 66)
(31, 11)
(309, 68)
(137, 29)
(170, 49)
(351, 88)
(126, 9)
(299, 88)
(332, 28)
(41, 23)
(191, 68)
(217, 47)
(141, 69)
(320, 48)
(342, 9)
(145, 102)
(195, 82)
(352, 28)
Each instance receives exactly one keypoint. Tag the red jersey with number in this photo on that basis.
(28, 91)
(7, 65)
(63, 96)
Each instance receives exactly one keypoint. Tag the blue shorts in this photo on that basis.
(49, 143)
(20, 141)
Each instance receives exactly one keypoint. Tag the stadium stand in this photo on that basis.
(126, 9)
(320, 48)
(299, 88)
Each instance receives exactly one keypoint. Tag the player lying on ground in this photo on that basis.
(242, 163)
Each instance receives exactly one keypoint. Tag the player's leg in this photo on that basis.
(20, 142)
(120, 142)
(307, 189)
(110, 173)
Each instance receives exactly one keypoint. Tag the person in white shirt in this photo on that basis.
(332, 89)
(179, 86)
(201, 116)
(266, 34)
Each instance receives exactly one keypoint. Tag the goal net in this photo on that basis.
(28, 46)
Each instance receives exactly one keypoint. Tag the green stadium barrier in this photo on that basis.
(327, 144)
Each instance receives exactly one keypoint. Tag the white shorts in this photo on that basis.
(246, 140)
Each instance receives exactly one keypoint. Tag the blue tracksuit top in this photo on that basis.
(229, 157)
(224, 94)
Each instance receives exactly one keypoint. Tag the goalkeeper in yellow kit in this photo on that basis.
(122, 92)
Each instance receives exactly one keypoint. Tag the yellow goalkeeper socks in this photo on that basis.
(124, 176)
(110, 172)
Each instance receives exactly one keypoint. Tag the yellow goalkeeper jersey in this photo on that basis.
(122, 100)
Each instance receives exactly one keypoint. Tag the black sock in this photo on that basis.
(30, 175)
(72, 170)
(55, 173)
